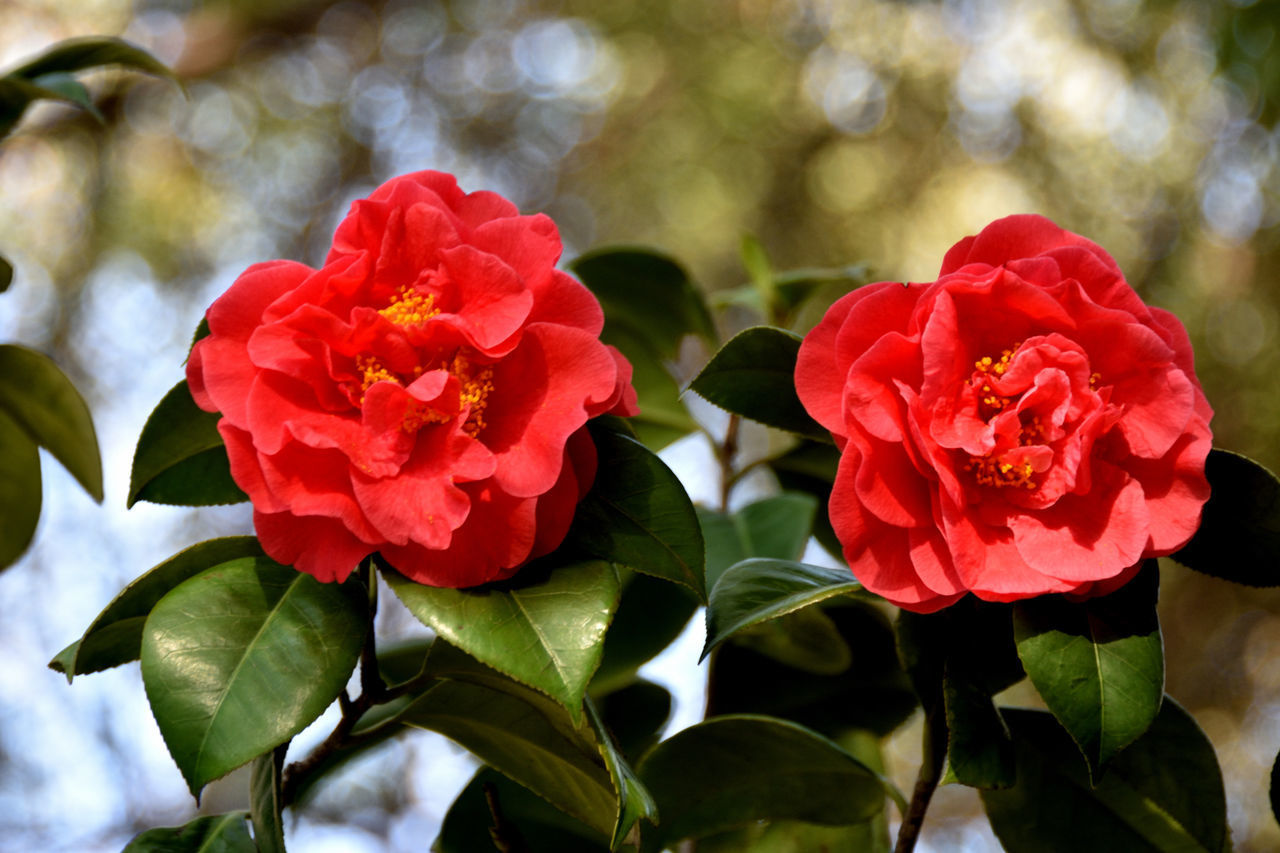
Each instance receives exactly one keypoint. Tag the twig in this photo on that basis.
(935, 754)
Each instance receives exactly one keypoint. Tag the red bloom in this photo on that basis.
(1023, 425)
(422, 394)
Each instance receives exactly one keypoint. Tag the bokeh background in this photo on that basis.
(836, 131)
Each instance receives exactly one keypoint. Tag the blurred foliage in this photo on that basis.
(871, 131)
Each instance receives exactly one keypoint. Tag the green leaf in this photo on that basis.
(243, 656)
(759, 589)
(872, 694)
(21, 490)
(115, 636)
(545, 628)
(650, 306)
(634, 800)
(753, 375)
(811, 468)
(638, 515)
(651, 615)
(71, 90)
(223, 833)
(648, 292)
(39, 396)
(6, 274)
(755, 260)
(777, 527)
(979, 749)
(1098, 664)
(805, 639)
(1274, 790)
(1239, 535)
(1164, 793)
(81, 53)
(265, 802)
(181, 458)
(635, 715)
(16, 94)
(541, 827)
(732, 770)
(521, 733)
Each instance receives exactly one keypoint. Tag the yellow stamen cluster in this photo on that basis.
(476, 385)
(411, 307)
(371, 371)
(995, 367)
(989, 472)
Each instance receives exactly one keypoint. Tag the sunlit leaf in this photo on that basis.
(224, 833)
(1098, 664)
(1163, 793)
(759, 589)
(753, 375)
(521, 733)
(243, 656)
(544, 628)
(638, 515)
(115, 635)
(732, 770)
(265, 803)
(42, 400)
(1239, 535)
(20, 490)
(181, 458)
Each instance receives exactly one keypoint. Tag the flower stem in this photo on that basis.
(935, 754)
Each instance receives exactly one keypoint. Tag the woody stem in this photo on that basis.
(931, 763)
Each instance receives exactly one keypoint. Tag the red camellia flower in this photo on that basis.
(423, 394)
(1023, 425)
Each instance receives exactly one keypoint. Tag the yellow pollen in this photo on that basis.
(476, 385)
(371, 371)
(989, 472)
(411, 307)
(1094, 379)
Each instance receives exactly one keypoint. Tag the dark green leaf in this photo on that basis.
(777, 527)
(1098, 664)
(16, 94)
(723, 543)
(753, 375)
(243, 656)
(6, 274)
(265, 802)
(971, 639)
(758, 590)
(70, 89)
(663, 417)
(1239, 535)
(979, 751)
(223, 833)
(649, 293)
(804, 639)
(634, 800)
(20, 490)
(545, 628)
(1164, 793)
(872, 694)
(811, 468)
(519, 732)
(81, 53)
(541, 828)
(1275, 789)
(638, 515)
(730, 771)
(115, 636)
(180, 458)
(39, 396)
(651, 615)
(635, 715)
(793, 836)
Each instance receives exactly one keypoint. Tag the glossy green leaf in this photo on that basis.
(1162, 794)
(777, 527)
(521, 733)
(223, 833)
(757, 590)
(638, 515)
(873, 694)
(82, 53)
(1239, 535)
(243, 656)
(181, 458)
(634, 800)
(39, 396)
(265, 803)
(544, 628)
(650, 306)
(114, 637)
(648, 292)
(1098, 664)
(529, 823)
(723, 543)
(651, 615)
(21, 490)
(6, 274)
(753, 375)
(732, 770)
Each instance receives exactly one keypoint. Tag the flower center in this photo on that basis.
(1002, 468)
(410, 307)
